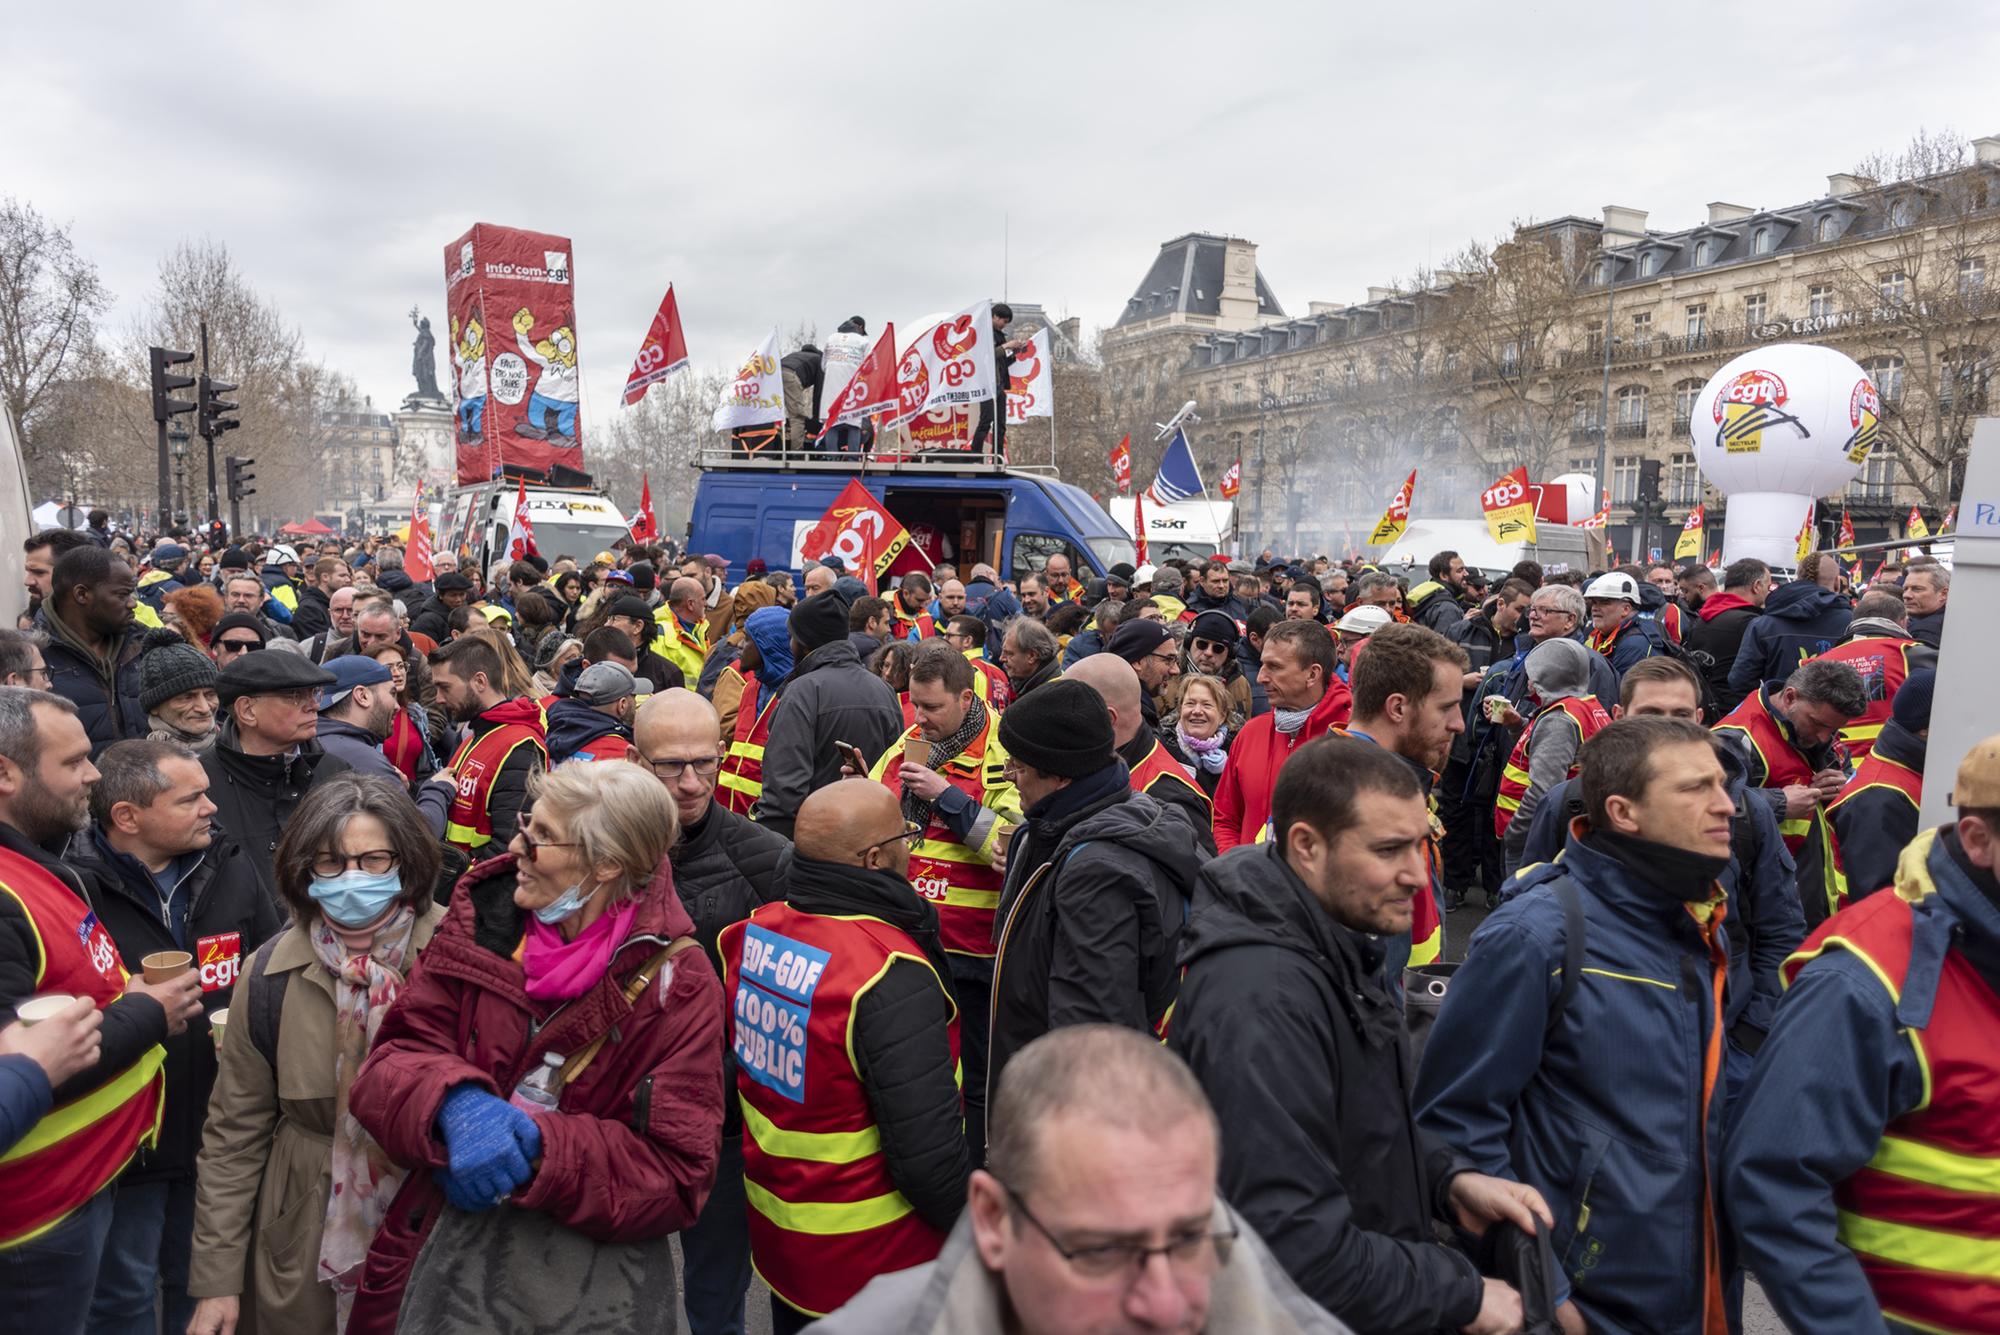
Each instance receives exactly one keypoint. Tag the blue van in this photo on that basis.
(1013, 519)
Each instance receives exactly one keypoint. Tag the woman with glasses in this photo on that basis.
(408, 746)
(551, 1080)
(272, 1234)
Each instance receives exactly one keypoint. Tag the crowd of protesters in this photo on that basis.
(970, 952)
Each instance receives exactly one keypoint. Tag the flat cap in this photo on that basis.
(269, 672)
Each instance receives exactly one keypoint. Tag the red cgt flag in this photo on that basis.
(645, 526)
(417, 554)
(871, 389)
(859, 531)
(1232, 481)
(1846, 530)
(1139, 529)
(521, 532)
(1121, 463)
(664, 352)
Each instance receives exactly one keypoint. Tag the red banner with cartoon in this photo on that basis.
(513, 351)
(859, 531)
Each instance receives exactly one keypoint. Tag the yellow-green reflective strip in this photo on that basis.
(741, 784)
(454, 833)
(1631, 978)
(1921, 1248)
(1936, 1167)
(92, 1107)
(827, 1217)
(745, 749)
(818, 1146)
(1791, 827)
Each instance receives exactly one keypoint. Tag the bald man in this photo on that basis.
(724, 867)
(819, 579)
(873, 1024)
(683, 627)
(1153, 769)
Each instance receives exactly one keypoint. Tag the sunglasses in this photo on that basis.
(238, 646)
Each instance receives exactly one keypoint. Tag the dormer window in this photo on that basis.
(1649, 263)
(1903, 212)
(1760, 241)
(1827, 228)
(1704, 253)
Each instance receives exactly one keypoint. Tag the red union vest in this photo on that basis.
(1920, 1215)
(825, 1214)
(608, 747)
(1783, 765)
(1884, 663)
(68, 1156)
(1589, 716)
(468, 824)
(961, 881)
(991, 683)
(1160, 767)
(901, 623)
(742, 781)
(1879, 773)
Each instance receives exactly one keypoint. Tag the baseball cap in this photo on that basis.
(1978, 783)
(349, 671)
(603, 684)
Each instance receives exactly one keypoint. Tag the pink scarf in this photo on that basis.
(559, 970)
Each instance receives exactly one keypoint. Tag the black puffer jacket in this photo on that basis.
(1097, 886)
(107, 703)
(255, 796)
(725, 865)
(313, 615)
(829, 697)
(1283, 1017)
(432, 618)
(228, 916)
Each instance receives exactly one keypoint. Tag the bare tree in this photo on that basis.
(660, 439)
(50, 297)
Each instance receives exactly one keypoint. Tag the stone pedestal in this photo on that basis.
(424, 426)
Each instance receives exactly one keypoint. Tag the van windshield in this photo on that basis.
(1112, 551)
(581, 541)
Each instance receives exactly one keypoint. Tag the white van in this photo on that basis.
(1189, 531)
(1558, 547)
(568, 521)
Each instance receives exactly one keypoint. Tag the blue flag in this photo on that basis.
(1178, 479)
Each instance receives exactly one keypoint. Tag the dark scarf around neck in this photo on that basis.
(1673, 874)
(916, 809)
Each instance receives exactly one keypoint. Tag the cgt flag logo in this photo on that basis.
(1397, 517)
(220, 959)
(858, 530)
(1510, 509)
(1748, 405)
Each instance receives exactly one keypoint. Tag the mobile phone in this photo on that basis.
(852, 755)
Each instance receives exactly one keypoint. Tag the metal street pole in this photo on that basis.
(1604, 408)
(214, 509)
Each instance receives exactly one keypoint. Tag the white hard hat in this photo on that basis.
(1143, 575)
(1617, 584)
(1363, 620)
(281, 555)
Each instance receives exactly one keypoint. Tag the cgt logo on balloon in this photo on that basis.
(1747, 406)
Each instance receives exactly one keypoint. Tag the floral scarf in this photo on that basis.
(364, 1178)
(1210, 753)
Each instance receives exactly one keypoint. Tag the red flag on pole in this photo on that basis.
(1715, 559)
(1232, 481)
(859, 531)
(417, 552)
(645, 527)
(664, 352)
(1121, 465)
(1846, 529)
(1139, 529)
(871, 389)
(521, 532)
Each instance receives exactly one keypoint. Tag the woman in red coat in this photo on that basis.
(565, 960)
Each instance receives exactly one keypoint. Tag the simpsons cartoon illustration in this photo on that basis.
(469, 354)
(555, 392)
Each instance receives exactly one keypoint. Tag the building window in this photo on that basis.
(1971, 276)
(1697, 324)
(1353, 378)
(1903, 212)
(1887, 373)
(1877, 479)
(1510, 358)
(1625, 479)
(1760, 241)
(1685, 393)
(1895, 287)
(1583, 414)
(1683, 480)
(1603, 272)
(1642, 329)
(1649, 263)
(1632, 410)
(1962, 384)
(1704, 253)
(1819, 301)
(1827, 228)
(1756, 309)
(1586, 466)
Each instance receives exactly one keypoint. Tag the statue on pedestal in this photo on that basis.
(423, 364)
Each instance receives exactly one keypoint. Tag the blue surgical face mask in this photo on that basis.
(564, 905)
(356, 898)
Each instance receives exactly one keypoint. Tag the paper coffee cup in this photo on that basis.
(1496, 707)
(36, 1009)
(916, 751)
(164, 966)
(216, 1021)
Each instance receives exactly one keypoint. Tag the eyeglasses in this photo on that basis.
(1191, 1254)
(530, 845)
(375, 861)
(306, 697)
(1534, 611)
(911, 831)
(238, 646)
(40, 670)
(704, 767)
(1164, 656)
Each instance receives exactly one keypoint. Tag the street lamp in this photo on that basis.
(177, 445)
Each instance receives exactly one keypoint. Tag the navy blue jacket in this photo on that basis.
(1765, 923)
(1081, 646)
(25, 1097)
(1638, 639)
(1606, 1115)
(1838, 1068)
(1800, 621)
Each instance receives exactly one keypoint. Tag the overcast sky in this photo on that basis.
(783, 163)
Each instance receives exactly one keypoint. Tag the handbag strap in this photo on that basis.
(641, 980)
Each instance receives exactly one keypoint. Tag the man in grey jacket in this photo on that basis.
(1105, 1160)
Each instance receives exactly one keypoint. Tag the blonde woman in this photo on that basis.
(1198, 732)
(566, 962)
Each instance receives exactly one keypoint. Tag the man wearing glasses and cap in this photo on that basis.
(846, 1046)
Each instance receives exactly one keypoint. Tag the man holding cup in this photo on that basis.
(54, 1209)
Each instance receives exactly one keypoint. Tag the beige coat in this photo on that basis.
(266, 1166)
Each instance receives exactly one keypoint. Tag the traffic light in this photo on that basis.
(214, 406)
(1649, 480)
(165, 383)
(240, 476)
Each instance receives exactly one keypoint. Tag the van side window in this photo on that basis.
(1033, 550)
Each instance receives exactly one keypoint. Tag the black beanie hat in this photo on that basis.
(240, 621)
(819, 621)
(1135, 639)
(170, 666)
(1061, 728)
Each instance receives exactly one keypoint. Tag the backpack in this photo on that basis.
(264, 1001)
(1701, 663)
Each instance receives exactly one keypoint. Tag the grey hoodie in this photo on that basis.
(957, 1295)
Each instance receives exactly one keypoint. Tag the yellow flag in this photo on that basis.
(1510, 510)
(1397, 517)
(1917, 527)
(1689, 543)
(1809, 531)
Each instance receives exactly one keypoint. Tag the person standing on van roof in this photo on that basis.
(1003, 361)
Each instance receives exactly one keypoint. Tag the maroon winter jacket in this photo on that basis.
(464, 1017)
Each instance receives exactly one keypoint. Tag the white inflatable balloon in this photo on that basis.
(1580, 493)
(1775, 428)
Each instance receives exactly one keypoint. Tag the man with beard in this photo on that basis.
(356, 710)
(55, 1208)
(474, 803)
(1150, 649)
(93, 649)
(39, 556)
(1436, 602)
(909, 618)
(1212, 651)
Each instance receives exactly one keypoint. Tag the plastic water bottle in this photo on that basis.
(540, 1088)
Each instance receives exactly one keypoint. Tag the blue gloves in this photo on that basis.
(492, 1145)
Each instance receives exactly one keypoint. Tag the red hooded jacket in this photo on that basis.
(1256, 754)
(465, 1017)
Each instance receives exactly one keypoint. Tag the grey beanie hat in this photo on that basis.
(171, 666)
(1559, 668)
